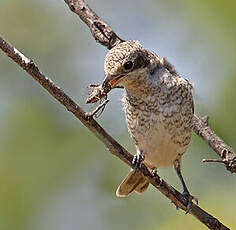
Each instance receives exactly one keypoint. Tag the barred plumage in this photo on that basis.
(158, 106)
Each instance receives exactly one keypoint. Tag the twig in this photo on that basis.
(100, 30)
(213, 160)
(103, 33)
(115, 148)
(228, 156)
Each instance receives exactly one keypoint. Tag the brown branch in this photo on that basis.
(100, 30)
(228, 157)
(115, 148)
(104, 34)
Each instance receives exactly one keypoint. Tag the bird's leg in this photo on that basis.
(137, 160)
(185, 192)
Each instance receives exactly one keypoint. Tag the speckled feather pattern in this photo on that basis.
(121, 53)
(166, 113)
(158, 103)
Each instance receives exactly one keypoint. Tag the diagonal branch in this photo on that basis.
(115, 148)
(202, 128)
(100, 30)
(104, 34)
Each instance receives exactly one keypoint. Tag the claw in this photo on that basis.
(154, 172)
(137, 161)
(177, 208)
(190, 199)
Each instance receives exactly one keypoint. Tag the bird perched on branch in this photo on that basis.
(159, 110)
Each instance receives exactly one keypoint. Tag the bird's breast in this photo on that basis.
(161, 130)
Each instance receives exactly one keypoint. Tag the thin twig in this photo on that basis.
(100, 30)
(106, 36)
(115, 148)
(213, 160)
(228, 156)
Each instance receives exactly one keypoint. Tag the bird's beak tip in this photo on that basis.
(111, 80)
(106, 81)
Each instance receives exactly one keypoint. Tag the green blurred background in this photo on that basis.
(55, 174)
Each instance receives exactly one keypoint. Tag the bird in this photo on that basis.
(159, 110)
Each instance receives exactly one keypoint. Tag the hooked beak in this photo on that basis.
(112, 80)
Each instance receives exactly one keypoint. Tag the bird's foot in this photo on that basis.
(154, 172)
(177, 208)
(190, 199)
(137, 161)
(186, 193)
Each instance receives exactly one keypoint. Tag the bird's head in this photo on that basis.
(126, 63)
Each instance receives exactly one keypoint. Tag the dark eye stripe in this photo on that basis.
(140, 62)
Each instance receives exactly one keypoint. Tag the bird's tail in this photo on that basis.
(133, 182)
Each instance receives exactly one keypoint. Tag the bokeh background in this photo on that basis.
(55, 174)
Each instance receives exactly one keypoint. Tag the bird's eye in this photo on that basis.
(128, 65)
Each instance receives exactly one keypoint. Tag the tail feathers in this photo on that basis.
(133, 182)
